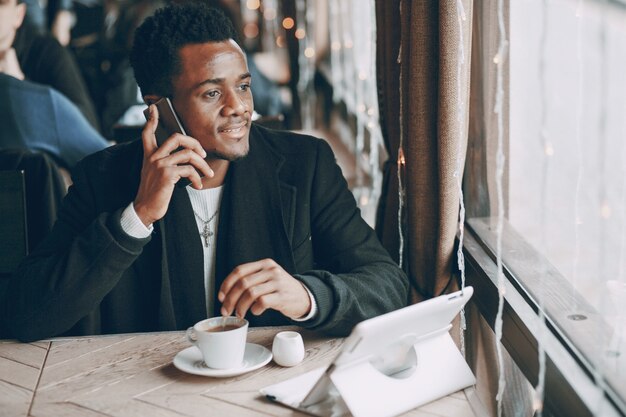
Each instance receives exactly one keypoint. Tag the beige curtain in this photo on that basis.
(418, 65)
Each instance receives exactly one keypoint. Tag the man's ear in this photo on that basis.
(151, 99)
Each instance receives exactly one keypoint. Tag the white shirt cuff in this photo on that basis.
(313, 311)
(132, 225)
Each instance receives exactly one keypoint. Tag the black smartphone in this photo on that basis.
(168, 120)
(168, 125)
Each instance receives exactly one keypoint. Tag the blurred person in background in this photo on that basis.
(33, 116)
(39, 58)
(39, 118)
(51, 16)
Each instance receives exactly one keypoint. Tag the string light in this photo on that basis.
(400, 171)
(605, 210)
(548, 148)
(401, 160)
(280, 41)
(460, 160)
(352, 44)
(300, 33)
(498, 110)
(253, 4)
(288, 23)
(580, 100)
(309, 52)
(539, 392)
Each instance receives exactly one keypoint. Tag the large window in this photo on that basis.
(568, 140)
(564, 236)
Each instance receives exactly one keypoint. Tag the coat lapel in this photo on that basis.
(183, 265)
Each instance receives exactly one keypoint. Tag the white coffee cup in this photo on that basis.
(288, 348)
(222, 341)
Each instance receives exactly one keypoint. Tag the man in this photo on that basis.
(267, 229)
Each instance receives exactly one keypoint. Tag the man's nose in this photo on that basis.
(235, 103)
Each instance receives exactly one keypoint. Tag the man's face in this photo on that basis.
(212, 97)
(11, 16)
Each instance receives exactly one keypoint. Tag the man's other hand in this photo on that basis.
(257, 286)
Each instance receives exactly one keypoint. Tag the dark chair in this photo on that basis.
(125, 133)
(13, 227)
(44, 189)
(31, 190)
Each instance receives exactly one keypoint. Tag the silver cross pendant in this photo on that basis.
(206, 234)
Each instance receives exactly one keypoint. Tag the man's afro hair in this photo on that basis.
(155, 53)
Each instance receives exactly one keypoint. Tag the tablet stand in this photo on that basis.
(413, 372)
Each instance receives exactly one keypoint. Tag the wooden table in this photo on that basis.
(133, 375)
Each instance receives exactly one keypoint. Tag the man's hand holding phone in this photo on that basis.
(180, 156)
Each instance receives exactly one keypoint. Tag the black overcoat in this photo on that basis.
(287, 200)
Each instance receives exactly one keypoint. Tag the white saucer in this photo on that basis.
(190, 360)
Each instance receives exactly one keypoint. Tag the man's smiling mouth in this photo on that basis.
(234, 128)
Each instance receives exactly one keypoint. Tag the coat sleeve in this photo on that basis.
(356, 279)
(71, 271)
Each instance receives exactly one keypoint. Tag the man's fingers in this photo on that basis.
(177, 141)
(264, 302)
(239, 272)
(180, 150)
(148, 133)
(253, 295)
(189, 172)
(245, 283)
(189, 156)
(257, 286)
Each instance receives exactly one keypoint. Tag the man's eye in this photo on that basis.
(244, 87)
(211, 94)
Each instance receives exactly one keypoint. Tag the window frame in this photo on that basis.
(569, 379)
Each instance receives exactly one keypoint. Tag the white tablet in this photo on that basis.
(386, 342)
(371, 337)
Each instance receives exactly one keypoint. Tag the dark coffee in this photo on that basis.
(221, 328)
